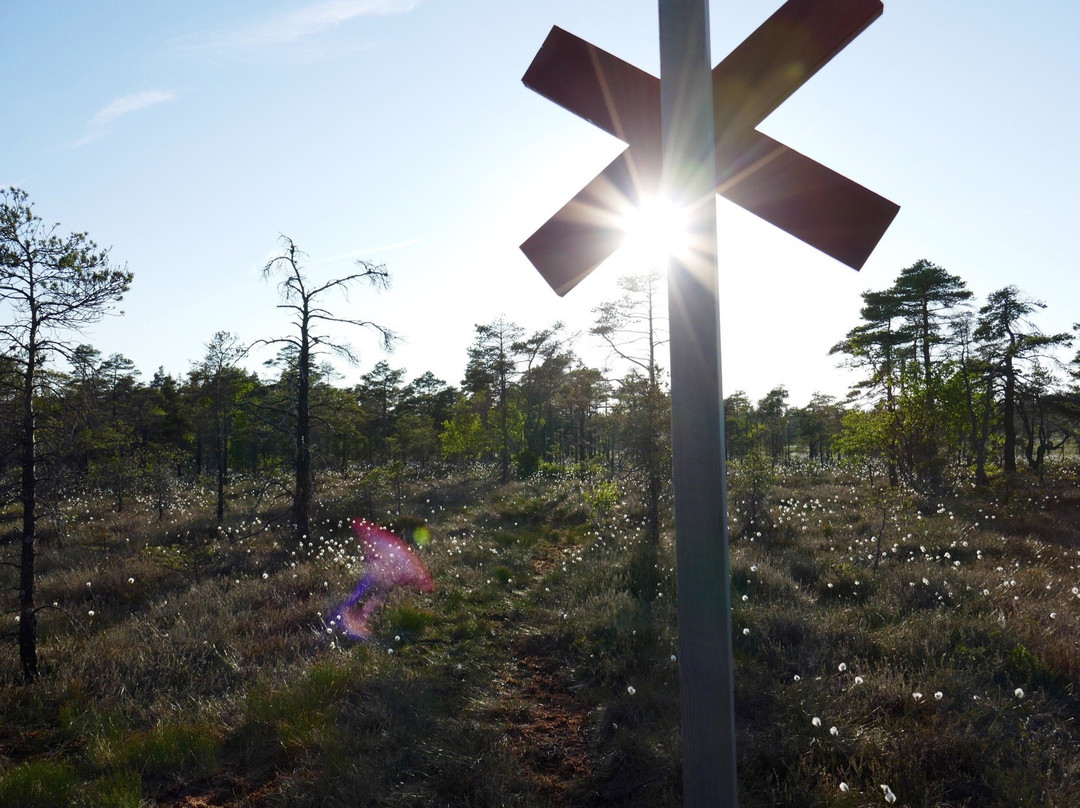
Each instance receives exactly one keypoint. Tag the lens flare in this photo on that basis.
(389, 563)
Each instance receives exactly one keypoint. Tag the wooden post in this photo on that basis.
(697, 411)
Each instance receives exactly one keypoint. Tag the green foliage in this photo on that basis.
(187, 559)
(514, 505)
(115, 790)
(602, 497)
(463, 436)
(750, 483)
(282, 725)
(171, 750)
(407, 620)
(39, 784)
(867, 439)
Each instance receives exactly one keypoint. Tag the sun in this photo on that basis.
(655, 231)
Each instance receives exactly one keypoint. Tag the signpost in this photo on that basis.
(691, 135)
(788, 189)
(698, 465)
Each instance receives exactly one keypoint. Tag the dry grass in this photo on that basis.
(936, 643)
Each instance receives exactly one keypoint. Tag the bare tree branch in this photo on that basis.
(303, 301)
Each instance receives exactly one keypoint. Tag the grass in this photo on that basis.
(878, 639)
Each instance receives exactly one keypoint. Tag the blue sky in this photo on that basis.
(189, 136)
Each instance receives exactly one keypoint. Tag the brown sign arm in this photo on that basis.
(585, 231)
(781, 55)
(623, 101)
(785, 188)
(609, 93)
(810, 201)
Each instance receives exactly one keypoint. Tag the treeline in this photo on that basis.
(526, 403)
(946, 388)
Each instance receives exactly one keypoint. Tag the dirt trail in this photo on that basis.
(548, 736)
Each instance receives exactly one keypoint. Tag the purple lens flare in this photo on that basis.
(389, 563)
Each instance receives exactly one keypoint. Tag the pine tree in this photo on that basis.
(53, 285)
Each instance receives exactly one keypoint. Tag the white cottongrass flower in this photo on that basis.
(939, 695)
(916, 695)
(859, 680)
(815, 721)
(889, 796)
(842, 667)
(746, 632)
(631, 689)
(834, 731)
(844, 787)
(1019, 692)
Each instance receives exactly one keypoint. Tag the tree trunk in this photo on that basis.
(221, 441)
(222, 475)
(504, 431)
(983, 435)
(1009, 407)
(302, 500)
(27, 614)
(646, 574)
(928, 376)
(1029, 428)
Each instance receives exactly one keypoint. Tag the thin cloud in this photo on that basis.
(130, 103)
(89, 137)
(299, 24)
(382, 248)
(98, 125)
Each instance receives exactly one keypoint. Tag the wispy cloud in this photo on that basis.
(298, 24)
(130, 103)
(363, 253)
(98, 125)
